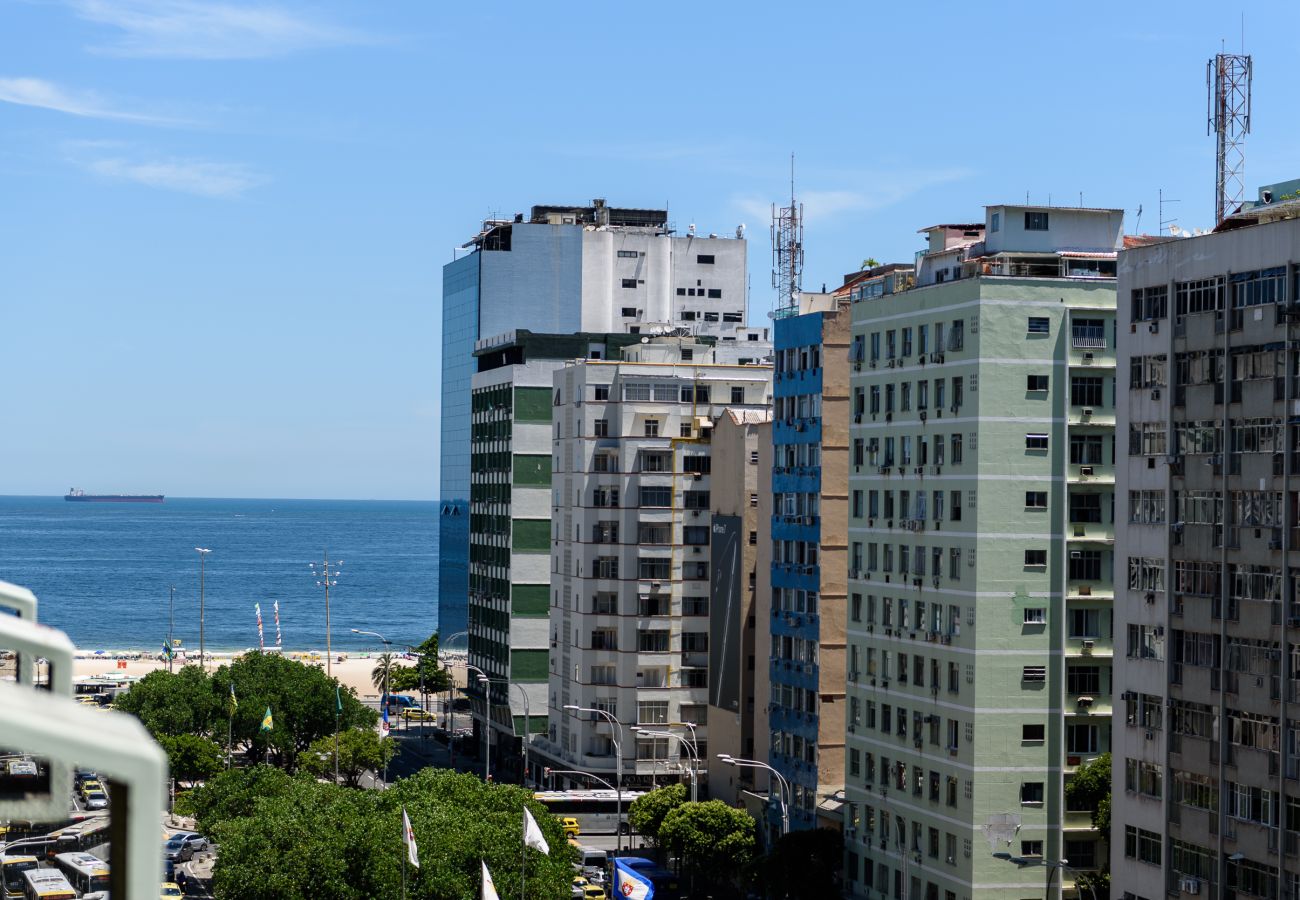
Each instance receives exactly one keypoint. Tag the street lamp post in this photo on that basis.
(203, 657)
(171, 628)
(783, 791)
(690, 753)
(1051, 865)
(616, 729)
(487, 720)
(327, 578)
(384, 701)
(527, 718)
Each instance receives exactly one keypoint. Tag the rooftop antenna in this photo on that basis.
(787, 253)
(1137, 227)
(1227, 80)
(1161, 221)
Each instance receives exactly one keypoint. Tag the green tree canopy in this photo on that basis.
(647, 812)
(360, 750)
(172, 703)
(292, 838)
(427, 673)
(192, 758)
(804, 864)
(1089, 788)
(714, 840)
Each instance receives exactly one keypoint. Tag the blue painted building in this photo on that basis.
(809, 563)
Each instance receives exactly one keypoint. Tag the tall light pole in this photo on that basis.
(1052, 865)
(690, 753)
(527, 718)
(487, 729)
(384, 700)
(616, 728)
(783, 792)
(327, 578)
(171, 628)
(450, 710)
(203, 656)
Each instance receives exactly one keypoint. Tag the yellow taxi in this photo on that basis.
(91, 786)
(593, 892)
(417, 715)
(569, 825)
(170, 890)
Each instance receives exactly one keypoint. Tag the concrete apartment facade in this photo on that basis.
(740, 554)
(564, 270)
(980, 553)
(510, 525)
(1205, 801)
(806, 669)
(630, 561)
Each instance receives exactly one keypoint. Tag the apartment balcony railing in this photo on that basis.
(1088, 338)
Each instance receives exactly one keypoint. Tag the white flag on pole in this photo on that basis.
(408, 836)
(533, 834)
(489, 889)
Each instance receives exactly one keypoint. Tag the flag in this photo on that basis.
(533, 834)
(630, 883)
(408, 835)
(234, 704)
(338, 700)
(383, 725)
(277, 624)
(489, 889)
(267, 722)
(261, 644)
(168, 652)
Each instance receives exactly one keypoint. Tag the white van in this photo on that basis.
(592, 863)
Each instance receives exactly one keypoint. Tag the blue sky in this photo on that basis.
(223, 223)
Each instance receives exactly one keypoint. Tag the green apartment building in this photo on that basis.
(981, 544)
(510, 525)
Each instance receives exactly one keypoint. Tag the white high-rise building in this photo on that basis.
(630, 557)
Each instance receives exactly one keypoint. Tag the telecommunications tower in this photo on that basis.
(1227, 76)
(787, 253)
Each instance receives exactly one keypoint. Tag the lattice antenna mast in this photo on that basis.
(1227, 76)
(787, 253)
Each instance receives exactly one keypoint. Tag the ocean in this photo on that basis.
(101, 571)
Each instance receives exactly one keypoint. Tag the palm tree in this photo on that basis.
(382, 671)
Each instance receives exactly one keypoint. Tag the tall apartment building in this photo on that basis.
(631, 533)
(1205, 800)
(564, 270)
(980, 555)
(809, 523)
(740, 550)
(510, 524)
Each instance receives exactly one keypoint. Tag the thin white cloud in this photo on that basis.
(121, 162)
(43, 94)
(881, 189)
(193, 29)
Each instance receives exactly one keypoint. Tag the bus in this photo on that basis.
(46, 884)
(11, 875)
(79, 836)
(596, 811)
(85, 871)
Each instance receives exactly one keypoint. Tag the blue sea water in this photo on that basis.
(101, 571)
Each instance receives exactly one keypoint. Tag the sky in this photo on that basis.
(222, 224)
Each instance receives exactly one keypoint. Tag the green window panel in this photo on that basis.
(532, 470)
(536, 725)
(529, 665)
(531, 601)
(532, 404)
(531, 536)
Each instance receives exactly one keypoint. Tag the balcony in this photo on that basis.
(1088, 337)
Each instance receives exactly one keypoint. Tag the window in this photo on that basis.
(1034, 674)
(656, 496)
(995, 222)
(1036, 558)
(1142, 845)
(1031, 732)
(1031, 792)
(629, 312)
(716, 294)
(1036, 499)
(652, 428)
(602, 392)
(1040, 325)
(737, 394)
(1031, 848)
(629, 283)
(628, 254)
(1085, 449)
(1036, 383)
(1035, 221)
(1035, 615)
(602, 427)
(1081, 739)
(704, 259)
(1085, 565)
(1086, 391)
(1083, 680)
(1085, 623)
(1035, 442)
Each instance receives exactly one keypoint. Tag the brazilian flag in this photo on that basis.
(267, 722)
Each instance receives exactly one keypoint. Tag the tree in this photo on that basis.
(804, 864)
(293, 838)
(192, 758)
(715, 841)
(301, 699)
(380, 674)
(172, 703)
(647, 812)
(427, 675)
(870, 263)
(1089, 789)
(360, 750)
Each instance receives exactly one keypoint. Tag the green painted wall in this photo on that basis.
(531, 536)
(532, 470)
(530, 600)
(532, 404)
(529, 665)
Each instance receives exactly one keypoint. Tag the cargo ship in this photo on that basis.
(77, 495)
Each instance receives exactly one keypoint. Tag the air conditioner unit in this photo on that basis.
(1085, 702)
(1189, 885)
(923, 416)
(1155, 394)
(1088, 646)
(1154, 328)
(1085, 470)
(1087, 412)
(1076, 554)
(1088, 358)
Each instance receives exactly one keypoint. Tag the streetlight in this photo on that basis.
(616, 729)
(327, 578)
(1052, 865)
(384, 701)
(783, 791)
(690, 752)
(171, 628)
(203, 658)
(487, 737)
(527, 718)
(450, 709)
